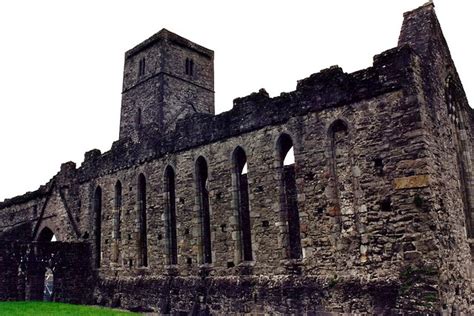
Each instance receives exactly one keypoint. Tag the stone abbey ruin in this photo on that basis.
(191, 212)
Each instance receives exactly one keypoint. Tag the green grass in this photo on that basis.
(49, 308)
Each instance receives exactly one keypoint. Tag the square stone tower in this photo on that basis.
(165, 78)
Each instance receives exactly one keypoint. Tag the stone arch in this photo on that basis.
(288, 197)
(204, 218)
(338, 125)
(46, 235)
(39, 281)
(241, 205)
(142, 221)
(170, 215)
(340, 193)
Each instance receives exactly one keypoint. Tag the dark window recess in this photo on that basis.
(223, 228)
(186, 231)
(98, 223)
(189, 66)
(289, 184)
(378, 165)
(386, 204)
(265, 224)
(160, 237)
(46, 235)
(142, 241)
(138, 119)
(171, 215)
(203, 197)
(118, 211)
(130, 263)
(230, 264)
(189, 261)
(141, 67)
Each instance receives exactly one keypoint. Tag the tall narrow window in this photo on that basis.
(189, 66)
(341, 182)
(141, 67)
(288, 197)
(142, 229)
(242, 203)
(116, 221)
(186, 66)
(170, 198)
(98, 225)
(204, 215)
(453, 102)
(138, 119)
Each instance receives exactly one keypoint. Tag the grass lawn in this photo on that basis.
(50, 308)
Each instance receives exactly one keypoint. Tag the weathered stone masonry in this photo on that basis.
(195, 212)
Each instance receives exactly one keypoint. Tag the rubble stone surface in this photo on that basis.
(199, 213)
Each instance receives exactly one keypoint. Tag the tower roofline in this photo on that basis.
(428, 5)
(165, 35)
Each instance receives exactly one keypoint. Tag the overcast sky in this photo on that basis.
(61, 62)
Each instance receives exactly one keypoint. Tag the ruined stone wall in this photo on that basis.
(16, 213)
(23, 267)
(446, 125)
(380, 190)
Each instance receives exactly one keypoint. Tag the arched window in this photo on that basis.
(340, 169)
(116, 221)
(204, 214)
(242, 204)
(142, 228)
(170, 200)
(46, 235)
(97, 224)
(288, 196)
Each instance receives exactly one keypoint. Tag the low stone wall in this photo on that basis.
(23, 266)
(248, 294)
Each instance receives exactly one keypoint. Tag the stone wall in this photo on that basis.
(373, 216)
(23, 266)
